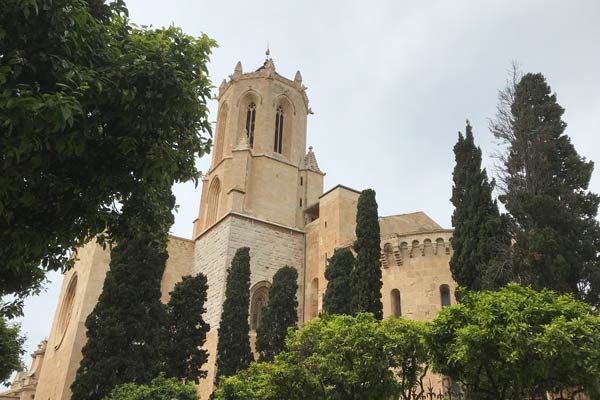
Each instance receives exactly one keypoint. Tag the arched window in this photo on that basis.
(66, 310)
(396, 305)
(213, 201)
(445, 295)
(220, 134)
(250, 121)
(257, 306)
(314, 298)
(278, 145)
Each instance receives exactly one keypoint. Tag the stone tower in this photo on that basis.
(255, 192)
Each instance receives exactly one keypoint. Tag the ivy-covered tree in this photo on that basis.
(186, 331)
(338, 297)
(233, 348)
(545, 182)
(11, 349)
(366, 276)
(280, 314)
(125, 331)
(92, 108)
(480, 240)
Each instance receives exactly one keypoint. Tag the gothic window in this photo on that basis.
(445, 295)
(278, 145)
(213, 201)
(66, 310)
(220, 134)
(396, 305)
(257, 306)
(250, 122)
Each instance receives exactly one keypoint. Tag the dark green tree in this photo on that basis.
(11, 349)
(91, 107)
(160, 388)
(127, 326)
(556, 233)
(187, 330)
(233, 348)
(366, 276)
(480, 240)
(338, 297)
(280, 314)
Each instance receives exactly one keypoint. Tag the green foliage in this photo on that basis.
(279, 315)
(546, 192)
(126, 328)
(159, 388)
(233, 348)
(480, 239)
(276, 380)
(92, 109)
(187, 330)
(366, 276)
(11, 349)
(338, 357)
(338, 297)
(517, 342)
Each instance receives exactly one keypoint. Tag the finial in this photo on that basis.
(310, 148)
(268, 52)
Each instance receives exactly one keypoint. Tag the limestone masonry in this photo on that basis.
(263, 190)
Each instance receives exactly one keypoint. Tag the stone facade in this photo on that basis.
(264, 190)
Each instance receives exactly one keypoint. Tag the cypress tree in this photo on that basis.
(366, 276)
(187, 330)
(338, 298)
(556, 233)
(126, 326)
(126, 329)
(480, 237)
(233, 348)
(280, 314)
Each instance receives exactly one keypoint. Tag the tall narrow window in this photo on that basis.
(250, 121)
(396, 306)
(278, 145)
(445, 295)
(214, 191)
(257, 306)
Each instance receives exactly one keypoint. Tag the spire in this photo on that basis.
(268, 52)
(310, 161)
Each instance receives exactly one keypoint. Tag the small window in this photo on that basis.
(301, 181)
(278, 144)
(250, 122)
(396, 305)
(300, 202)
(445, 295)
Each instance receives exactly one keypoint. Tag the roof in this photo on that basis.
(407, 223)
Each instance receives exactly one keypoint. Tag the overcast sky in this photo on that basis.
(390, 83)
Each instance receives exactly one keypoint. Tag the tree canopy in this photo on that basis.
(92, 109)
(366, 276)
(338, 297)
(545, 190)
(233, 348)
(480, 241)
(186, 330)
(518, 343)
(280, 314)
(11, 349)
(160, 388)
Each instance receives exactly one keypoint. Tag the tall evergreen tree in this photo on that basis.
(556, 233)
(480, 239)
(366, 276)
(338, 297)
(187, 330)
(126, 328)
(233, 348)
(280, 314)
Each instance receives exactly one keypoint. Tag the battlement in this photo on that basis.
(397, 250)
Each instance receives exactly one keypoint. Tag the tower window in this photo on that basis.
(278, 145)
(300, 202)
(301, 181)
(396, 306)
(250, 121)
(445, 295)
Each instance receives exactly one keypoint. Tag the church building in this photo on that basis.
(264, 190)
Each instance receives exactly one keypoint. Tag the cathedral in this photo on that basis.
(264, 190)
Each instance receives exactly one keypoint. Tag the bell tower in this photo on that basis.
(260, 166)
